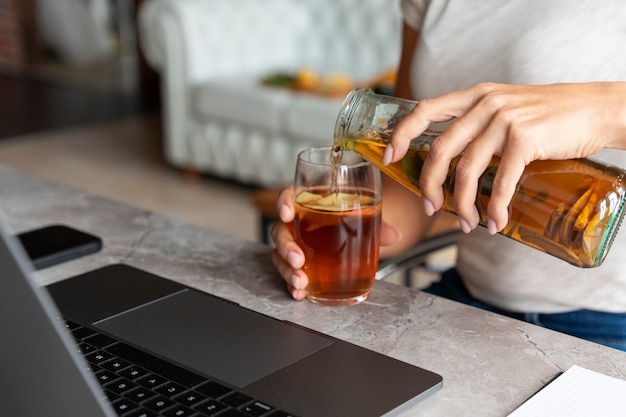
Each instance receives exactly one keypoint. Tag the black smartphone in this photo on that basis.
(51, 245)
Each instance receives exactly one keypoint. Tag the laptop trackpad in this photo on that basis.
(214, 337)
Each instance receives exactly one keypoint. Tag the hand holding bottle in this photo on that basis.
(570, 208)
(519, 123)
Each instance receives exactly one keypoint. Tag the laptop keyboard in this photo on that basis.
(141, 385)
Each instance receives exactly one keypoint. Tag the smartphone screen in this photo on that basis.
(54, 244)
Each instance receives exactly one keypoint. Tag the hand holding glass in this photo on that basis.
(337, 224)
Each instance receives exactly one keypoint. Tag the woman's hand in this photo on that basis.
(518, 123)
(287, 256)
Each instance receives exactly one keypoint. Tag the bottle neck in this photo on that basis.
(347, 113)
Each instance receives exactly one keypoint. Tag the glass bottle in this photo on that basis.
(570, 209)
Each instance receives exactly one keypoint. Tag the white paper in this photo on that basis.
(578, 392)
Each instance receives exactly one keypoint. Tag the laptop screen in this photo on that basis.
(40, 373)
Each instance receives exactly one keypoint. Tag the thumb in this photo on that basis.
(389, 234)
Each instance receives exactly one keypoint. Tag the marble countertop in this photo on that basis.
(490, 364)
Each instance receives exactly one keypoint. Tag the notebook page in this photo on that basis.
(578, 392)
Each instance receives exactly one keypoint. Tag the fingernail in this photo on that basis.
(294, 259)
(387, 155)
(398, 235)
(295, 281)
(283, 212)
(492, 228)
(465, 227)
(429, 208)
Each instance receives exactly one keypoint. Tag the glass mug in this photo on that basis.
(337, 224)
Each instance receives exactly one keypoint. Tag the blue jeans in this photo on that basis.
(605, 328)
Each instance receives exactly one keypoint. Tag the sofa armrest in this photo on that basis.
(189, 42)
(216, 39)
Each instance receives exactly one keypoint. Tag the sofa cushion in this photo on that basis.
(242, 101)
(310, 119)
(301, 117)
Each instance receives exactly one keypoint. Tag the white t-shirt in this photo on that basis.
(465, 42)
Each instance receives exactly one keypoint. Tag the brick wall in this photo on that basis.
(17, 33)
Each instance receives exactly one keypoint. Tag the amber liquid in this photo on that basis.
(340, 244)
(570, 209)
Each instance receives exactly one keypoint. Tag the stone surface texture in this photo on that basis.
(490, 364)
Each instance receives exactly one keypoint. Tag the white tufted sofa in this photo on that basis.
(211, 55)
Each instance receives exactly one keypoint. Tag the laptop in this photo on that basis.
(73, 345)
